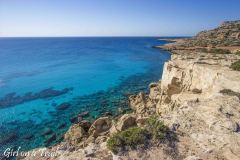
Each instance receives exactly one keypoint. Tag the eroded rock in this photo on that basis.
(100, 126)
(75, 134)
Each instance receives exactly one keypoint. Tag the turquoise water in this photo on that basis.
(46, 82)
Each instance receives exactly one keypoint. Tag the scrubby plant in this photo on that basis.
(202, 50)
(131, 137)
(219, 51)
(158, 130)
(237, 53)
(153, 131)
(214, 50)
(236, 65)
(229, 92)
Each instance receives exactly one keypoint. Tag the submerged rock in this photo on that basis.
(12, 99)
(47, 131)
(7, 138)
(83, 114)
(28, 136)
(61, 126)
(63, 106)
(50, 139)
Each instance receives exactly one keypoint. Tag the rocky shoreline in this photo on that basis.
(198, 99)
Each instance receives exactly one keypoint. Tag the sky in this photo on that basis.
(53, 18)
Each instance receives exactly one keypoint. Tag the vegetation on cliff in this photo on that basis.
(131, 137)
(236, 66)
(153, 131)
(228, 34)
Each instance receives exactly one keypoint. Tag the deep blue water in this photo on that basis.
(37, 75)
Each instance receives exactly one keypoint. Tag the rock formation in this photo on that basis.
(198, 98)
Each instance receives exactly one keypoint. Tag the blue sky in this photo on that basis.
(113, 17)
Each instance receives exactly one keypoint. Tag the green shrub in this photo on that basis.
(214, 50)
(154, 131)
(219, 51)
(202, 50)
(158, 130)
(230, 93)
(131, 137)
(237, 53)
(236, 66)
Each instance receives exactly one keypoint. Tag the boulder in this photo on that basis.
(75, 134)
(100, 127)
(126, 121)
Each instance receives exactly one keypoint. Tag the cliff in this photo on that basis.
(197, 99)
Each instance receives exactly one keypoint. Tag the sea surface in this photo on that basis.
(45, 83)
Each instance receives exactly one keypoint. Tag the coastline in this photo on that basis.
(110, 97)
(197, 98)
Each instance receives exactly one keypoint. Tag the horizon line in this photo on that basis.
(88, 36)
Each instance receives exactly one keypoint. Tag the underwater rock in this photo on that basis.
(28, 136)
(54, 104)
(63, 106)
(73, 119)
(76, 119)
(8, 138)
(12, 99)
(83, 114)
(47, 131)
(50, 139)
(61, 126)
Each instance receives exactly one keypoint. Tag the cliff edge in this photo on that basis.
(197, 99)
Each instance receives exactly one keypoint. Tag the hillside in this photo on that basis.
(192, 113)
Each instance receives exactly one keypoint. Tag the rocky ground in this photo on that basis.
(198, 99)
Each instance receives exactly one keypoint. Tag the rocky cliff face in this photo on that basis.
(198, 98)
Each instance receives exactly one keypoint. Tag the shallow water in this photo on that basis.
(97, 74)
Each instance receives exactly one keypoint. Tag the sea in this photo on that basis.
(48, 84)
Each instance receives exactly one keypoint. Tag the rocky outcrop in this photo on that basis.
(198, 98)
(124, 122)
(75, 134)
(142, 104)
(100, 127)
(227, 34)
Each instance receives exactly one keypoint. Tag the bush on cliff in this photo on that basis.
(131, 137)
(229, 92)
(236, 66)
(154, 131)
(156, 128)
(237, 53)
(219, 51)
(214, 50)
